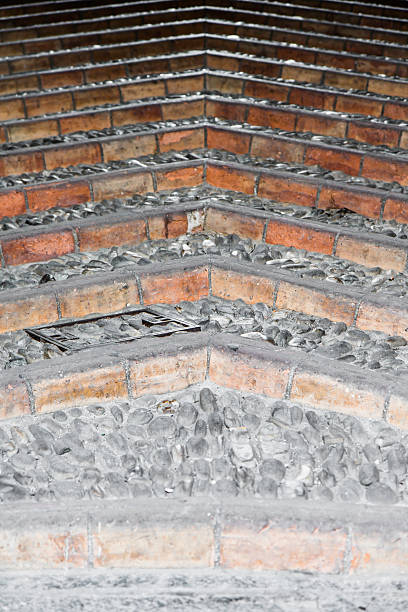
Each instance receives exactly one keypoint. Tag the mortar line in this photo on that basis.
(205, 171)
(147, 228)
(275, 295)
(76, 240)
(89, 540)
(126, 368)
(382, 207)
(30, 394)
(3, 263)
(208, 362)
(139, 289)
(360, 169)
(336, 239)
(91, 191)
(386, 406)
(348, 550)
(353, 324)
(265, 229)
(291, 377)
(256, 184)
(317, 198)
(154, 180)
(217, 537)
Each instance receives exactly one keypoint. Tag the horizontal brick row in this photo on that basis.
(105, 149)
(201, 534)
(307, 191)
(97, 187)
(57, 37)
(40, 244)
(277, 185)
(183, 32)
(190, 280)
(154, 366)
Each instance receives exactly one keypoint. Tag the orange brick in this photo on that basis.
(11, 203)
(227, 222)
(182, 177)
(168, 225)
(371, 254)
(294, 235)
(222, 62)
(224, 84)
(110, 234)
(312, 98)
(321, 125)
(284, 120)
(96, 97)
(382, 86)
(333, 159)
(387, 317)
(374, 136)
(228, 140)
(137, 114)
(291, 548)
(300, 74)
(358, 104)
(14, 399)
(185, 85)
(147, 89)
(79, 388)
(277, 148)
(174, 286)
(64, 78)
(32, 161)
(396, 209)
(98, 295)
(38, 247)
(49, 103)
(317, 302)
(84, 122)
(225, 110)
(331, 393)
(384, 169)
(62, 194)
(11, 109)
(181, 139)
(395, 110)
(258, 89)
(345, 81)
(286, 190)
(63, 156)
(231, 178)
(182, 110)
(367, 205)
(164, 547)
(167, 373)
(231, 285)
(248, 372)
(121, 185)
(380, 552)
(398, 411)
(125, 148)
(22, 311)
(32, 130)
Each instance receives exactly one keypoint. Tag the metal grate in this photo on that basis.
(144, 322)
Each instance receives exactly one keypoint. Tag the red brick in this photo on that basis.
(391, 318)
(96, 97)
(300, 74)
(11, 109)
(300, 237)
(374, 136)
(84, 122)
(371, 254)
(14, 399)
(321, 125)
(63, 156)
(173, 287)
(259, 89)
(132, 146)
(358, 104)
(121, 185)
(37, 248)
(49, 80)
(286, 190)
(182, 177)
(385, 170)
(228, 140)
(231, 178)
(284, 120)
(110, 234)
(182, 110)
(233, 285)
(181, 139)
(277, 148)
(396, 209)
(231, 111)
(315, 301)
(312, 98)
(185, 84)
(21, 312)
(49, 103)
(147, 89)
(32, 161)
(32, 129)
(227, 222)
(169, 225)
(137, 114)
(11, 203)
(62, 194)
(333, 159)
(367, 205)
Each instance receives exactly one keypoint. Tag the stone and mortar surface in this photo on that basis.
(199, 590)
(204, 441)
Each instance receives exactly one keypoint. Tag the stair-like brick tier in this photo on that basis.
(276, 125)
